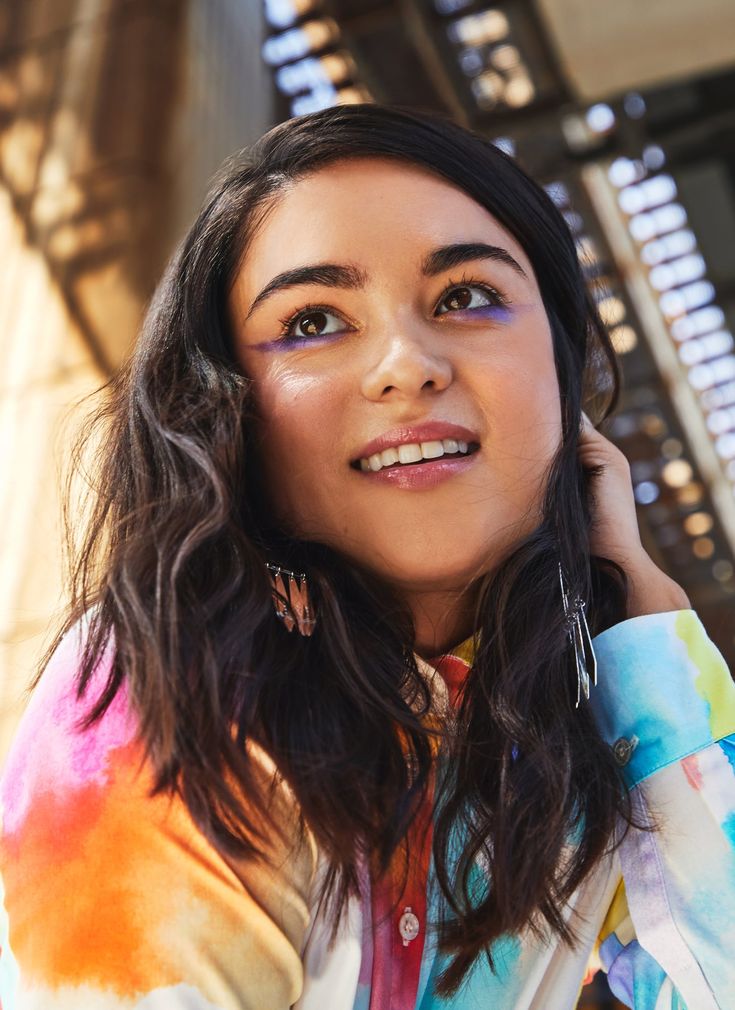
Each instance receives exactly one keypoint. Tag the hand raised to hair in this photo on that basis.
(614, 531)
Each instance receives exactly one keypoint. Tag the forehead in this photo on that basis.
(368, 210)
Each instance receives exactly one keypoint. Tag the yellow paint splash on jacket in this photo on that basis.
(466, 650)
(710, 685)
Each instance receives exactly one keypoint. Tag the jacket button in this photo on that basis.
(408, 926)
(622, 749)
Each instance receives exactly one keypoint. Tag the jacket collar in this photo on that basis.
(446, 673)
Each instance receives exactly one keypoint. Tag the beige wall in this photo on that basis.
(608, 48)
(115, 113)
(46, 367)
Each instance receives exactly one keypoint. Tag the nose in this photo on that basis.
(406, 367)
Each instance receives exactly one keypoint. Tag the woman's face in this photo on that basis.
(403, 370)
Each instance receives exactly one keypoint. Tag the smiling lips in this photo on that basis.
(414, 452)
(433, 446)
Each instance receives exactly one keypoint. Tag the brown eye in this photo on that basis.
(468, 297)
(460, 298)
(311, 325)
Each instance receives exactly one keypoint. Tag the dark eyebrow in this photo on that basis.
(331, 275)
(449, 256)
(334, 275)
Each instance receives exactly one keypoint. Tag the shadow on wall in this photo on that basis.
(113, 116)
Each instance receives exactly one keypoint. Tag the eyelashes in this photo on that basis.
(496, 308)
(497, 300)
(287, 334)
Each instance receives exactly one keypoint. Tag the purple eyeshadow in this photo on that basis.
(496, 313)
(289, 343)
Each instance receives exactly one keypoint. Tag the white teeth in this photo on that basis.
(409, 453)
(432, 450)
(412, 453)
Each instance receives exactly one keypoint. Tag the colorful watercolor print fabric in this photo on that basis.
(113, 900)
(670, 943)
(663, 907)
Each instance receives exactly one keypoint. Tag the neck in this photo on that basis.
(441, 619)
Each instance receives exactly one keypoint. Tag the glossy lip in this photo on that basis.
(422, 476)
(431, 431)
(428, 473)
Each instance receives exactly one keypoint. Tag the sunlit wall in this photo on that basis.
(114, 115)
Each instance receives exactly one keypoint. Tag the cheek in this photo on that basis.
(300, 423)
(288, 403)
(533, 419)
(524, 421)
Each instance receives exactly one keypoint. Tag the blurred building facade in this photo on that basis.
(115, 113)
(113, 116)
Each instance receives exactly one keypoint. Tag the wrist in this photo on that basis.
(651, 591)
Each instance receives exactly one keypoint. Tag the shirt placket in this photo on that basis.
(399, 930)
(399, 933)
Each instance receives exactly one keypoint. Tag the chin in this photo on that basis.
(439, 569)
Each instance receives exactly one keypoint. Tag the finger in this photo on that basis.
(587, 429)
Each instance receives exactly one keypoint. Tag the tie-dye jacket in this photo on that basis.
(113, 899)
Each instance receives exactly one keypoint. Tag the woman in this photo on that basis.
(316, 732)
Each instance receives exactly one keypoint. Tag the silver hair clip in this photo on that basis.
(581, 640)
(291, 599)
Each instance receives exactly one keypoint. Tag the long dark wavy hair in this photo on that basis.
(171, 567)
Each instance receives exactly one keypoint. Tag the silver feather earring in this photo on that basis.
(581, 640)
(291, 599)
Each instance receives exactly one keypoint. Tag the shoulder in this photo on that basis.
(108, 882)
(52, 758)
